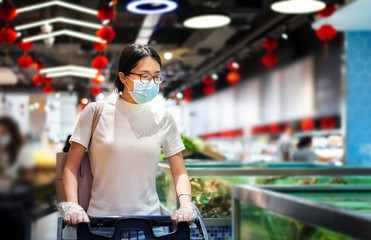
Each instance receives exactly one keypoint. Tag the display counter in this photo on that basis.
(297, 212)
(212, 182)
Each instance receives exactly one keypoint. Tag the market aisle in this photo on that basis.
(45, 228)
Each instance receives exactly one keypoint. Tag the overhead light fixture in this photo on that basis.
(285, 36)
(71, 73)
(69, 70)
(297, 6)
(57, 3)
(58, 19)
(168, 55)
(151, 6)
(70, 33)
(207, 21)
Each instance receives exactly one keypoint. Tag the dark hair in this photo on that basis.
(304, 141)
(16, 142)
(129, 58)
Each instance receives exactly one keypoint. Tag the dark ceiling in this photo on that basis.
(197, 52)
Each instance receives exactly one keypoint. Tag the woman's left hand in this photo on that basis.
(184, 213)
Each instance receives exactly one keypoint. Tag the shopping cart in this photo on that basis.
(141, 226)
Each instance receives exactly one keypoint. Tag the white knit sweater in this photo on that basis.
(124, 153)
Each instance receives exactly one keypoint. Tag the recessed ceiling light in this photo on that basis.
(168, 55)
(179, 95)
(297, 6)
(151, 6)
(207, 21)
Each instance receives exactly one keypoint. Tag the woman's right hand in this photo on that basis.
(72, 213)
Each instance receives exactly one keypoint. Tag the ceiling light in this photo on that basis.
(36, 105)
(84, 101)
(59, 19)
(214, 76)
(207, 21)
(179, 95)
(285, 36)
(57, 3)
(151, 6)
(70, 73)
(168, 55)
(297, 6)
(70, 33)
(57, 95)
(69, 68)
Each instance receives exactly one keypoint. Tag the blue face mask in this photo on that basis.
(144, 93)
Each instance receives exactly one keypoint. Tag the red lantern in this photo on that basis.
(187, 91)
(48, 80)
(208, 80)
(106, 13)
(8, 12)
(24, 61)
(328, 123)
(95, 91)
(39, 65)
(99, 46)
(233, 77)
(327, 11)
(99, 62)
(25, 46)
(8, 35)
(188, 99)
(326, 32)
(38, 79)
(208, 90)
(269, 60)
(99, 79)
(270, 43)
(48, 89)
(307, 124)
(107, 33)
(233, 66)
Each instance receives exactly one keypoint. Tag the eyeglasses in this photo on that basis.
(146, 78)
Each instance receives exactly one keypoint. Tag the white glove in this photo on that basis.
(72, 213)
(187, 213)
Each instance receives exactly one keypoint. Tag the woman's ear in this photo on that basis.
(122, 78)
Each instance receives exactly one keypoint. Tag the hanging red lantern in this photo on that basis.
(25, 46)
(107, 33)
(95, 91)
(233, 77)
(328, 123)
(208, 80)
(270, 43)
(8, 35)
(269, 60)
(38, 65)
(25, 61)
(106, 13)
(38, 79)
(48, 89)
(307, 124)
(187, 91)
(188, 99)
(326, 32)
(8, 12)
(327, 11)
(99, 46)
(208, 90)
(275, 128)
(99, 62)
(99, 79)
(48, 80)
(233, 66)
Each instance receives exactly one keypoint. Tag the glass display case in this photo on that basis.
(212, 183)
(297, 212)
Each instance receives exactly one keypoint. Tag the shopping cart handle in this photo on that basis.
(199, 221)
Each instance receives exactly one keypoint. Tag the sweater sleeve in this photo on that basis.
(83, 128)
(172, 143)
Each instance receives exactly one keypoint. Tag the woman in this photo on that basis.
(304, 153)
(126, 147)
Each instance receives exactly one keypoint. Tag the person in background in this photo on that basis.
(304, 153)
(126, 146)
(15, 158)
(285, 145)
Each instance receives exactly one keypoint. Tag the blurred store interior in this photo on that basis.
(233, 89)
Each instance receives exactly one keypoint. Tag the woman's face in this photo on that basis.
(146, 65)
